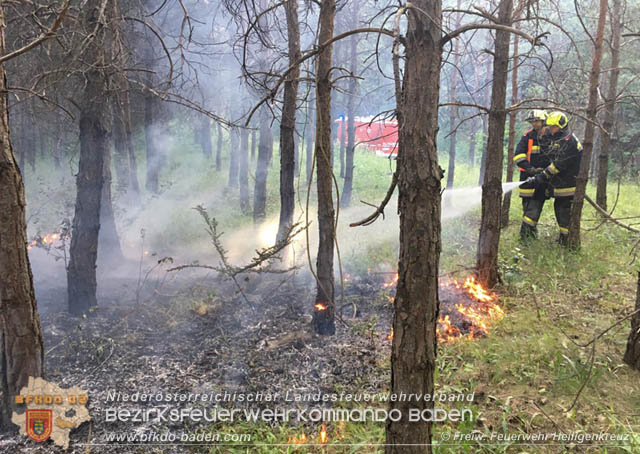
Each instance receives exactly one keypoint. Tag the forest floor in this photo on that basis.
(191, 332)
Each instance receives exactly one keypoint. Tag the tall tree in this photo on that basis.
(453, 108)
(632, 354)
(592, 111)
(219, 149)
(109, 242)
(234, 142)
(506, 203)
(488, 242)
(265, 151)
(309, 132)
(351, 112)
(243, 171)
(324, 313)
(288, 124)
(21, 347)
(204, 136)
(150, 118)
(81, 273)
(609, 107)
(413, 350)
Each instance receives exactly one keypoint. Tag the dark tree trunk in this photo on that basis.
(150, 142)
(324, 308)
(243, 176)
(21, 347)
(30, 138)
(347, 189)
(265, 150)
(121, 154)
(472, 144)
(413, 349)
(205, 136)
(343, 142)
(610, 105)
(109, 244)
(592, 111)
(309, 133)
(288, 125)
(254, 144)
(453, 109)
(488, 242)
(506, 203)
(125, 110)
(234, 140)
(632, 354)
(219, 150)
(81, 273)
(485, 125)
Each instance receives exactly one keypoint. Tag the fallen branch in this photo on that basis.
(600, 210)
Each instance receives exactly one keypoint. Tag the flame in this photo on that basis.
(393, 282)
(47, 239)
(320, 307)
(323, 437)
(298, 439)
(390, 336)
(477, 291)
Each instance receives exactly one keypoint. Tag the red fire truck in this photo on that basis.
(377, 135)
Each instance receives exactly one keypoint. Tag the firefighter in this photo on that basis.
(565, 152)
(531, 161)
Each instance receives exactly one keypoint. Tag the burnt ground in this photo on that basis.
(197, 334)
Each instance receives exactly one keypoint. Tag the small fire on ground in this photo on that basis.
(467, 310)
(47, 240)
(322, 437)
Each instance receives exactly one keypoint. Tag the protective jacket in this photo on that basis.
(529, 156)
(564, 151)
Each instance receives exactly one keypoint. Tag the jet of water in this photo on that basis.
(457, 202)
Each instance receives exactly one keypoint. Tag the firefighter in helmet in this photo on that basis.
(564, 151)
(529, 157)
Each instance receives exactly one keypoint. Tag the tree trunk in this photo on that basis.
(125, 110)
(453, 109)
(81, 273)
(219, 150)
(309, 133)
(234, 140)
(487, 259)
(153, 160)
(610, 105)
(413, 349)
(592, 110)
(506, 203)
(243, 176)
(485, 125)
(21, 347)
(343, 141)
(472, 144)
(205, 137)
(109, 244)
(288, 125)
(265, 150)
(347, 189)
(121, 155)
(632, 354)
(324, 309)
(254, 143)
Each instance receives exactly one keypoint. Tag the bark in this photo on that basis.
(243, 176)
(21, 346)
(288, 125)
(151, 148)
(592, 110)
(205, 136)
(488, 242)
(309, 133)
(632, 354)
(81, 273)
(485, 126)
(125, 110)
(219, 150)
(324, 313)
(347, 189)
(472, 144)
(109, 243)
(453, 109)
(121, 154)
(265, 150)
(234, 140)
(610, 106)
(506, 203)
(413, 349)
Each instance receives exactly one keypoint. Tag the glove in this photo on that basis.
(534, 170)
(540, 179)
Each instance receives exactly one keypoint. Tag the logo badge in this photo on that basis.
(39, 424)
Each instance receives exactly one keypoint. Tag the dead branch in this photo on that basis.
(380, 209)
(608, 216)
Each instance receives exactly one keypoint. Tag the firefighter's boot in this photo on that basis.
(528, 232)
(563, 239)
